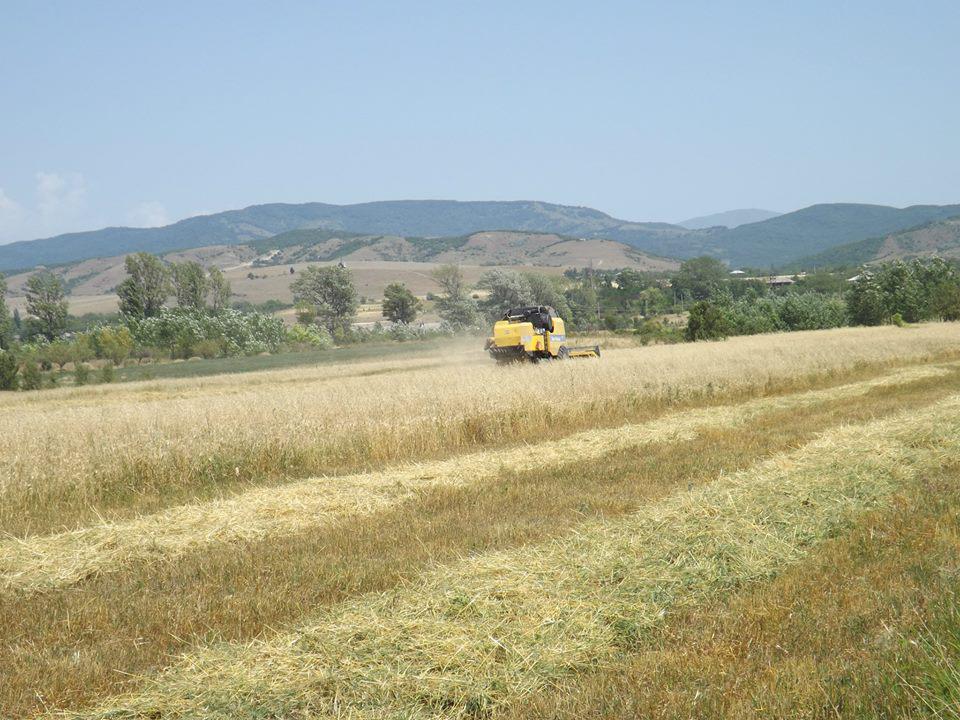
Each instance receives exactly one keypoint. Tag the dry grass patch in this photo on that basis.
(491, 630)
(65, 465)
(44, 562)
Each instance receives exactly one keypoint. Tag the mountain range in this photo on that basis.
(777, 241)
(939, 238)
(729, 219)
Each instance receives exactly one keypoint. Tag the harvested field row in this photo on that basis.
(490, 630)
(65, 466)
(868, 626)
(44, 562)
(69, 648)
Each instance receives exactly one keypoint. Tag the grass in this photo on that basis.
(70, 457)
(67, 644)
(281, 361)
(489, 631)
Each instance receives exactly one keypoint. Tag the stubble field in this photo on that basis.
(767, 526)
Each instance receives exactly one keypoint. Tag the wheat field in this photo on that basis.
(441, 537)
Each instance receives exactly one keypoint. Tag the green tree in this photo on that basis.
(190, 285)
(547, 290)
(399, 304)
(457, 310)
(17, 322)
(505, 290)
(82, 348)
(700, 278)
(866, 303)
(450, 279)
(330, 291)
(583, 304)
(47, 304)
(8, 371)
(114, 343)
(6, 323)
(903, 292)
(146, 288)
(706, 322)
(220, 290)
(58, 353)
(30, 376)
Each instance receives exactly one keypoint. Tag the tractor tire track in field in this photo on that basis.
(488, 631)
(53, 561)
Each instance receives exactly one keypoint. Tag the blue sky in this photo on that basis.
(126, 113)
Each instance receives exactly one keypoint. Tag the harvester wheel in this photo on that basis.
(563, 353)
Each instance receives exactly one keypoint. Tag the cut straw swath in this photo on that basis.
(489, 630)
(46, 562)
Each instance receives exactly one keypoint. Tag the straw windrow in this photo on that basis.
(46, 562)
(489, 630)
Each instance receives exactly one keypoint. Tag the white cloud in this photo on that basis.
(148, 214)
(61, 196)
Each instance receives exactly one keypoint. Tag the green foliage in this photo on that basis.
(179, 331)
(8, 371)
(190, 285)
(83, 348)
(330, 291)
(457, 310)
(793, 311)
(6, 323)
(654, 331)
(219, 290)
(81, 374)
(916, 291)
(46, 303)
(58, 353)
(700, 278)
(399, 304)
(106, 374)
(511, 289)
(30, 376)
(707, 321)
(583, 302)
(146, 288)
(547, 290)
(506, 290)
(114, 343)
(309, 336)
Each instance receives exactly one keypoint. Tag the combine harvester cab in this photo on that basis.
(532, 334)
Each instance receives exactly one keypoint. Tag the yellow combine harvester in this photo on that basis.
(532, 334)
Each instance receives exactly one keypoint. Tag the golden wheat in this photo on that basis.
(492, 629)
(66, 455)
(44, 562)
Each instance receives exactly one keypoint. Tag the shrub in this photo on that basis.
(309, 336)
(180, 330)
(8, 371)
(81, 374)
(706, 322)
(207, 349)
(30, 377)
(107, 374)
